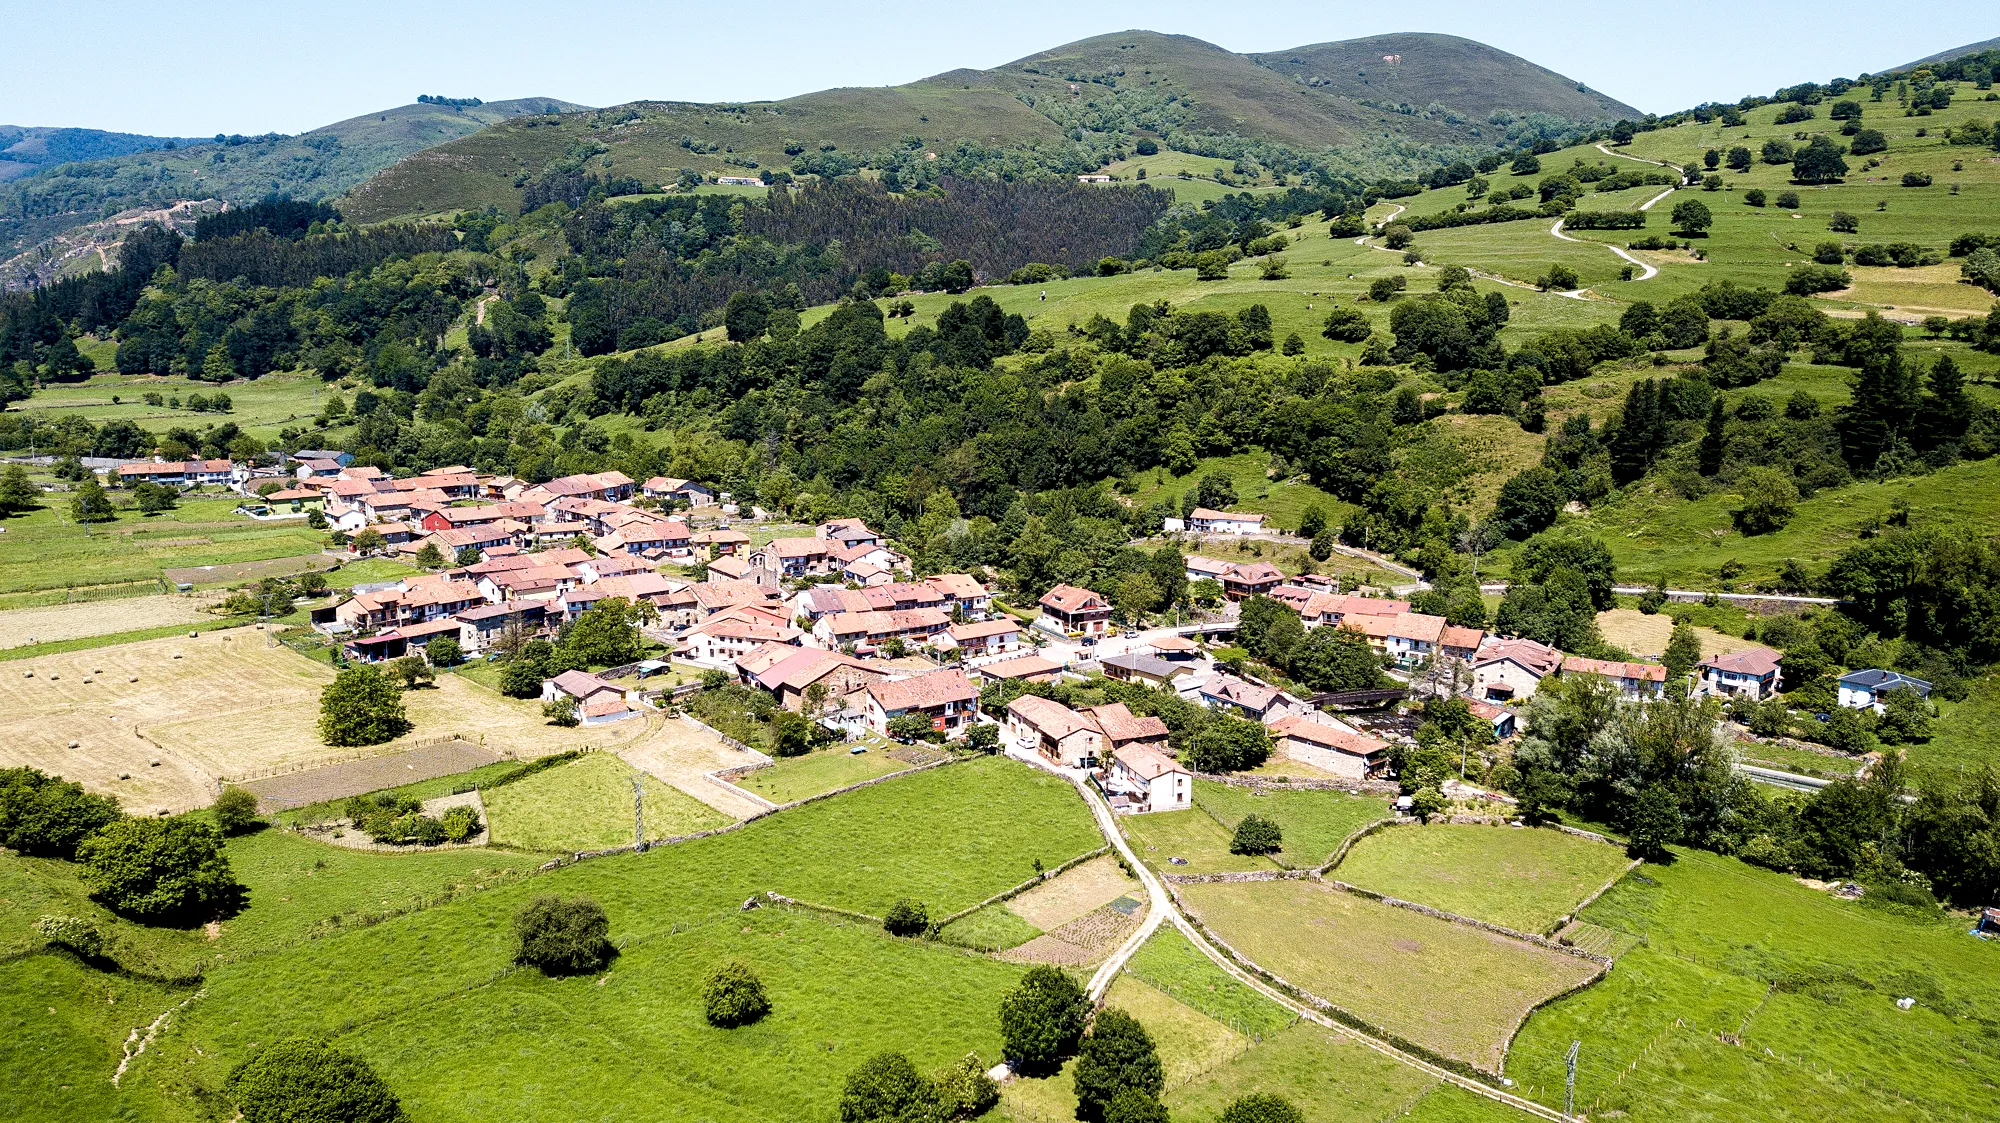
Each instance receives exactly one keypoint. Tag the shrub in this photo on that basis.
(71, 932)
(907, 917)
(1134, 1106)
(1256, 835)
(1754, 197)
(1042, 1019)
(443, 651)
(1384, 289)
(306, 1080)
(1867, 142)
(1916, 179)
(887, 1088)
(1560, 278)
(561, 712)
(235, 810)
(964, 1090)
(46, 815)
(1692, 216)
(521, 679)
(1261, 1107)
(1146, 147)
(158, 869)
(1788, 200)
(733, 996)
(1830, 253)
(1807, 280)
(1398, 237)
(1348, 325)
(1843, 223)
(459, 823)
(561, 937)
(1117, 1055)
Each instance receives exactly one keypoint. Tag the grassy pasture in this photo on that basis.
(321, 946)
(462, 1030)
(1192, 834)
(1328, 1077)
(586, 804)
(802, 776)
(1522, 879)
(1449, 987)
(261, 406)
(1314, 824)
(1807, 982)
(44, 549)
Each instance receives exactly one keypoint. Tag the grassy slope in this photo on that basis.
(949, 837)
(1825, 1042)
(262, 406)
(1314, 824)
(823, 771)
(1523, 879)
(1466, 75)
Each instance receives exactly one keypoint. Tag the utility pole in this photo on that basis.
(1569, 1081)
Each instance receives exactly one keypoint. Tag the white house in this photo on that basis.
(1205, 521)
(1158, 781)
(1751, 674)
(1864, 690)
(1330, 747)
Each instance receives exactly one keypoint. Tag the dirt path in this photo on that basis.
(1386, 219)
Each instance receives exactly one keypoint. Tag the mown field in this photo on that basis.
(428, 997)
(799, 777)
(587, 804)
(259, 406)
(1755, 998)
(1449, 987)
(1522, 879)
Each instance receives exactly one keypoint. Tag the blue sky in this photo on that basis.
(206, 66)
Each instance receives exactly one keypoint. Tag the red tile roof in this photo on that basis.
(923, 691)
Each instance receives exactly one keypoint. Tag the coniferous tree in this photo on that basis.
(1942, 414)
(1708, 458)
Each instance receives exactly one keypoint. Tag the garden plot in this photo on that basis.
(1521, 878)
(20, 627)
(225, 706)
(1450, 987)
(1077, 891)
(374, 774)
(1086, 939)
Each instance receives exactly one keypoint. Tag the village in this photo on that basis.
(835, 625)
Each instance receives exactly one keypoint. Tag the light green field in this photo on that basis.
(1190, 834)
(1522, 879)
(1449, 987)
(1806, 981)
(587, 804)
(1967, 734)
(1313, 824)
(798, 777)
(44, 549)
(262, 406)
(460, 1037)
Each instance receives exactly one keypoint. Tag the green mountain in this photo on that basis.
(1947, 56)
(1419, 69)
(1075, 107)
(320, 164)
(27, 149)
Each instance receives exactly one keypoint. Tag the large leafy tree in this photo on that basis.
(158, 869)
(46, 815)
(1117, 1056)
(361, 707)
(1042, 1019)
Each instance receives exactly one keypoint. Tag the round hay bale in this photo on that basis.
(27, 674)
(155, 762)
(134, 678)
(75, 744)
(192, 635)
(124, 775)
(53, 676)
(177, 654)
(87, 681)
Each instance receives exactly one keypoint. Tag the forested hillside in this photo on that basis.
(317, 165)
(24, 150)
(1065, 111)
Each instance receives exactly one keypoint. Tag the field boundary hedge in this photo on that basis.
(1603, 961)
(1577, 912)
